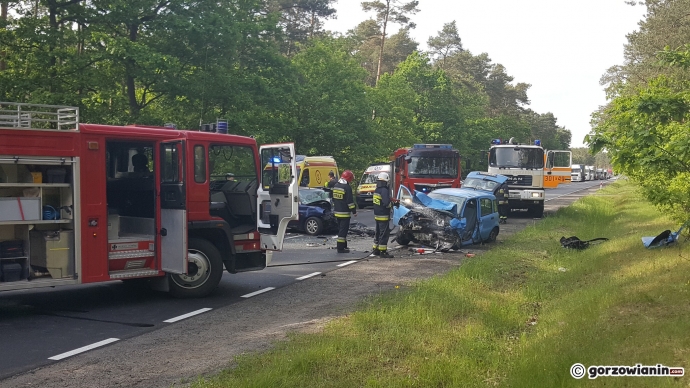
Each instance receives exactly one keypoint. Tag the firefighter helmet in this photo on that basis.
(383, 176)
(348, 176)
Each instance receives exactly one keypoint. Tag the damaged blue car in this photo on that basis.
(446, 218)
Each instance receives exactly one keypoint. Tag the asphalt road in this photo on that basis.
(44, 326)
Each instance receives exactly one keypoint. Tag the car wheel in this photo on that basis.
(403, 239)
(492, 235)
(313, 226)
(361, 205)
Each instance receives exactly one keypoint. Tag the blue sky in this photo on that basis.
(562, 48)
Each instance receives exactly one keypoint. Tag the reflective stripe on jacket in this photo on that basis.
(343, 200)
(382, 202)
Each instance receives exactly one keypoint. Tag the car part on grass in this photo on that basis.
(574, 242)
(664, 238)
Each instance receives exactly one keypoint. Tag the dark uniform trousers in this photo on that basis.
(343, 228)
(383, 232)
(382, 205)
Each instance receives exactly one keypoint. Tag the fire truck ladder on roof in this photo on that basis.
(35, 116)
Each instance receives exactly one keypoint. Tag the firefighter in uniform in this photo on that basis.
(343, 207)
(382, 216)
(328, 186)
(501, 194)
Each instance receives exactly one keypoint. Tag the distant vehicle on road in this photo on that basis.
(578, 173)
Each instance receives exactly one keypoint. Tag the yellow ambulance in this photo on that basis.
(367, 184)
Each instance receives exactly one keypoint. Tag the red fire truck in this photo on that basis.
(87, 203)
(426, 167)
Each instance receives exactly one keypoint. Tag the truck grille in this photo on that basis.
(520, 180)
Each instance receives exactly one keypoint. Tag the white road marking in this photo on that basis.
(572, 192)
(347, 263)
(83, 349)
(184, 316)
(308, 276)
(258, 292)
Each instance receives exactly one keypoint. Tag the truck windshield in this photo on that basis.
(369, 177)
(516, 157)
(433, 167)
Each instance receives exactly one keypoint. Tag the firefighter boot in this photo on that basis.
(375, 251)
(342, 247)
(386, 255)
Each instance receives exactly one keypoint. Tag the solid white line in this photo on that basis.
(193, 313)
(83, 349)
(308, 276)
(258, 292)
(348, 263)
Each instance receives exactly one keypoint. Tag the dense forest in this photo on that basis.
(645, 127)
(271, 70)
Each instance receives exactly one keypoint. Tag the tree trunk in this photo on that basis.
(130, 65)
(383, 41)
(3, 17)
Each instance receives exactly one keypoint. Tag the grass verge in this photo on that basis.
(517, 316)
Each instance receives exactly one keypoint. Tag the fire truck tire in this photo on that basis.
(205, 267)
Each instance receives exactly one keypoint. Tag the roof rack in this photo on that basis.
(37, 116)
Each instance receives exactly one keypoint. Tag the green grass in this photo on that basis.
(511, 317)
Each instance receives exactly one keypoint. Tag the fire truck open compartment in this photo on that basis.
(130, 194)
(37, 238)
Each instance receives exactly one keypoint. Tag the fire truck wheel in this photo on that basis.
(205, 268)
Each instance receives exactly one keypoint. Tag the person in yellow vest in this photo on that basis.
(382, 215)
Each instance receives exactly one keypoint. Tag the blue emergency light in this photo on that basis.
(222, 126)
(276, 159)
(496, 141)
(444, 146)
(537, 142)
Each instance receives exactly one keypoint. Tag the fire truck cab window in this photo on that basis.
(233, 200)
(433, 167)
(199, 164)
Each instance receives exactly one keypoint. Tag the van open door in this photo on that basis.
(405, 197)
(173, 214)
(557, 169)
(278, 194)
